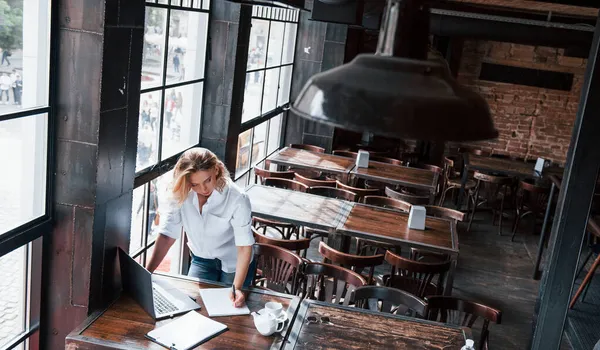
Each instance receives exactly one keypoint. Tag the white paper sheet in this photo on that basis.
(217, 303)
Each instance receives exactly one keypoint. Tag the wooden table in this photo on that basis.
(124, 323)
(324, 162)
(297, 207)
(391, 226)
(352, 328)
(397, 175)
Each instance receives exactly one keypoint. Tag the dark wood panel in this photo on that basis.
(397, 175)
(353, 329)
(297, 207)
(392, 226)
(318, 161)
(124, 323)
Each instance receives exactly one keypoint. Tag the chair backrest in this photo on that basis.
(390, 300)
(534, 195)
(409, 198)
(281, 269)
(308, 147)
(262, 174)
(463, 313)
(285, 183)
(332, 192)
(387, 202)
(385, 160)
(360, 192)
(415, 277)
(346, 154)
(356, 263)
(296, 245)
(446, 213)
(488, 186)
(330, 283)
(313, 183)
(284, 229)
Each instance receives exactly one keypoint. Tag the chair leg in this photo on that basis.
(515, 227)
(586, 280)
(501, 214)
(589, 255)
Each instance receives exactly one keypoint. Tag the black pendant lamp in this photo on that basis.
(398, 91)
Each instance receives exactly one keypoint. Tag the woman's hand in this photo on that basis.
(239, 299)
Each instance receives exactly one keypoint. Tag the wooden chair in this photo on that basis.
(390, 300)
(314, 183)
(451, 180)
(330, 283)
(299, 246)
(360, 192)
(283, 229)
(333, 192)
(262, 174)
(490, 190)
(385, 160)
(446, 213)
(532, 199)
(415, 277)
(346, 154)
(310, 148)
(413, 199)
(438, 180)
(355, 263)
(463, 313)
(594, 229)
(387, 202)
(280, 269)
(286, 184)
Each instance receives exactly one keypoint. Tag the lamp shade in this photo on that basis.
(398, 97)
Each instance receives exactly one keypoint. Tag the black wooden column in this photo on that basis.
(572, 211)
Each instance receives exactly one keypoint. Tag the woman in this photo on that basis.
(216, 216)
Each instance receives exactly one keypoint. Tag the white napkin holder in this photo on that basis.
(416, 218)
(362, 160)
(539, 166)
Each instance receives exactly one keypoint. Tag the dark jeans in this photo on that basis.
(210, 269)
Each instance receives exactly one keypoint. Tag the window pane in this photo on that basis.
(158, 199)
(205, 4)
(23, 146)
(147, 147)
(24, 55)
(252, 95)
(285, 83)
(154, 47)
(258, 44)
(181, 124)
(243, 152)
(274, 134)
(242, 181)
(258, 143)
(289, 43)
(187, 46)
(275, 44)
(137, 218)
(271, 86)
(12, 289)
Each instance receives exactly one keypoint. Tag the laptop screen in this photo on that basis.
(137, 282)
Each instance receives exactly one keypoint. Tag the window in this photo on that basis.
(25, 129)
(267, 86)
(173, 74)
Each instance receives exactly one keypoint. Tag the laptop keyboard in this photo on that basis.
(162, 305)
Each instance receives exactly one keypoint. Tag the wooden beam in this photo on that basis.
(536, 6)
(572, 211)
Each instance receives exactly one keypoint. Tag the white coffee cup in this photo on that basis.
(274, 308)
(268, 324)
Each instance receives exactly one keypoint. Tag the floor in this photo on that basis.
(497, 272)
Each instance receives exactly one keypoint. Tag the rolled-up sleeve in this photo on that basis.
(170, 219)
(241, 222)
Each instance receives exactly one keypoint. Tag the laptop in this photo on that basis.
(157, 297)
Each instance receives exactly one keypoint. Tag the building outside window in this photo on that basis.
(25, 145)
(173, 74)
(267, 86)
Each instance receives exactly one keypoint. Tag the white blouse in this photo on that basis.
(224, 224)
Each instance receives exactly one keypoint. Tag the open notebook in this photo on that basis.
(217, 303)
(186, 332)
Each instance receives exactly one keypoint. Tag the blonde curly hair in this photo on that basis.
(191, 161)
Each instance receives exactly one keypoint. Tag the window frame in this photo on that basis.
(144, 176)
(271, 14)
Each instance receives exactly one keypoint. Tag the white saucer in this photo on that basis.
(283, 317)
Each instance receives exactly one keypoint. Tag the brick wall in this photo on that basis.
(531, 121)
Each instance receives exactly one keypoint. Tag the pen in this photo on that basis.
(233, 290)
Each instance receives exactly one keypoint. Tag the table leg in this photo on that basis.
(538, 257)
(339, 241)
(450, 277)
(463, 183)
